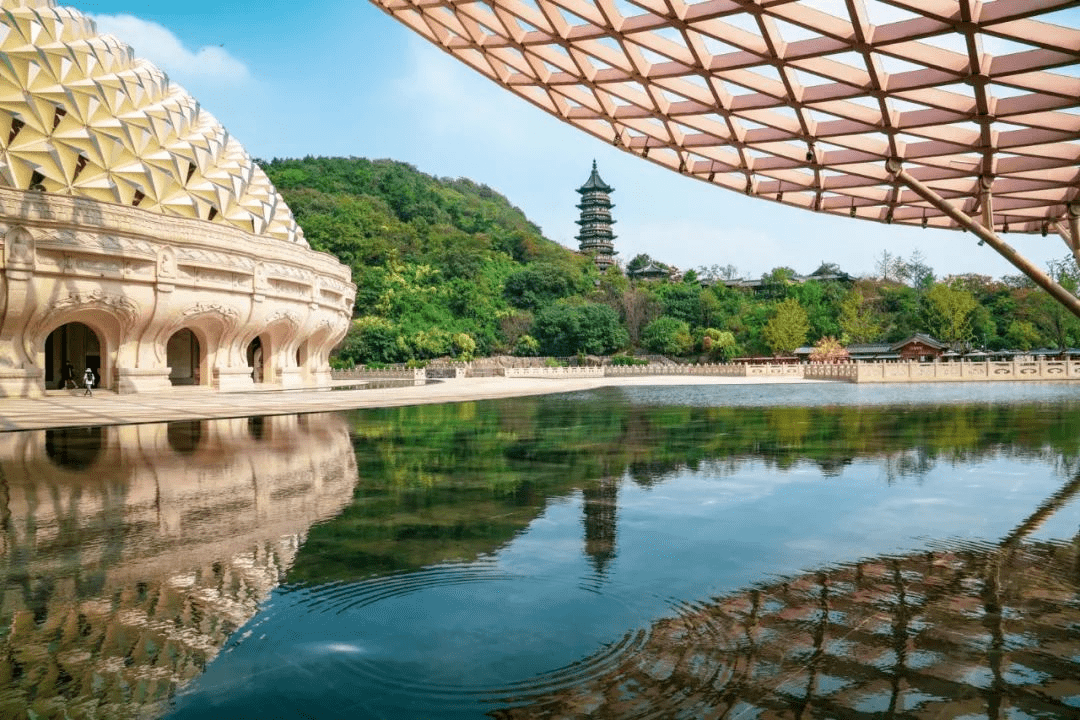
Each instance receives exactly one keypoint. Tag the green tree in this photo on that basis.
(948, 313)
(668, 336)
(858, 321)
(639, 261)
(563, 329)
(373, 339)
(1060, 327)
(539, 284)
(718, 344)
(681, 301)
(1022, 335)
(775, 283)
(788, 327)
(464, 346)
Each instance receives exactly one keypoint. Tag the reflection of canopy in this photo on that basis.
(968, 631)
(964, 631)
(804, 101)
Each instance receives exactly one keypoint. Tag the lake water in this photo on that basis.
(770, 551)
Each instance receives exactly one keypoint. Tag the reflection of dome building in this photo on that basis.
(139, 239)
(118, 587)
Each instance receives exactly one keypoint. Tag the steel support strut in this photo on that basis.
(987, 235)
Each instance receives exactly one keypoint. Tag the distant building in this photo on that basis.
(595, 237)
(825, 273)
(917, 347)
(652, 271)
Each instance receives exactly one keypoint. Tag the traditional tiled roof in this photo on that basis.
(595, 183)
(919, 338)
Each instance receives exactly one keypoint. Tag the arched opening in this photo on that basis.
(256, 360)
(73, 448)
(302, 360)
(69, 350)
(185, 436)
(257, 427)
(184, 358)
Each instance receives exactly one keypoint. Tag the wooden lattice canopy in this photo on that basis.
(805, 101)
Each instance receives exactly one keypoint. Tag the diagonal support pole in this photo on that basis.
(987, 235)
(1070, 232)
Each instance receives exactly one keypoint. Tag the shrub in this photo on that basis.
(668, 336)
(628, 360)
(526, 346)
(828, 349)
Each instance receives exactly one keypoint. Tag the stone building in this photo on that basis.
(595, 237)
(137, 237)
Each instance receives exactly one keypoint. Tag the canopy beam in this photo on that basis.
(987, 234)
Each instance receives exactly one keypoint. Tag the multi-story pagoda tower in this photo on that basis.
(596, 237)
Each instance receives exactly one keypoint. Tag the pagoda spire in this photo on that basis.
(595, 237)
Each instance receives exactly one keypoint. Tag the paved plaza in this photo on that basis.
(73, 409)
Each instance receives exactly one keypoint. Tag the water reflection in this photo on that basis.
(130, 554)
(618, 554)
(591, 555)
(962, 631)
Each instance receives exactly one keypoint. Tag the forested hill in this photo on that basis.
(430, 256)
(450, 268)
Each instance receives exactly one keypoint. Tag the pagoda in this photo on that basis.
(596, 237)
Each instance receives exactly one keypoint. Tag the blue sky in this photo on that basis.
(332, 77)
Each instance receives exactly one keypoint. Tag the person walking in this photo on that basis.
(88, 381)
(69, 376)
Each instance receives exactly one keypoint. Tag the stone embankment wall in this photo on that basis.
(859, 372)
(967, 371)
(390, 373)
(704, 369)
(585, 371)
(831, 371)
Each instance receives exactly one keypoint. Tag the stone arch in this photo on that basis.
(107, 325)
(185, 358)
(77, 449)
(209, 323)
(277, 340)
(256, 354)
(318, 346)
(303, 359)
(69, 350)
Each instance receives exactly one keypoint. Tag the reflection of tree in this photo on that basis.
(452, 482)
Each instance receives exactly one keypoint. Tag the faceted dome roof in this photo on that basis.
(81, 115)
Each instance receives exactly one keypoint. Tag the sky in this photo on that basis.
(342, 78)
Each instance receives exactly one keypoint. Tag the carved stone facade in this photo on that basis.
(135, 284)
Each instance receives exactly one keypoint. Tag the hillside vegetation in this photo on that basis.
(448, 267)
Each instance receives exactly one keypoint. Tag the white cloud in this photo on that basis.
(159, 45)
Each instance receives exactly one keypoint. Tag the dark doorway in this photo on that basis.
(255, 360)
(184, 358)
(73, 343)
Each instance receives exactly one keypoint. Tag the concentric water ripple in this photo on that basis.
(512, 672)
